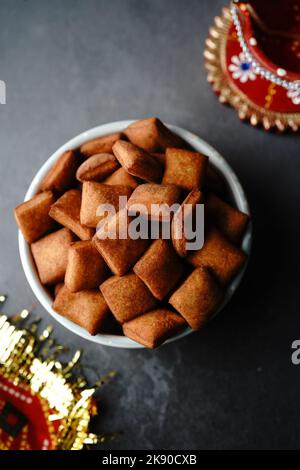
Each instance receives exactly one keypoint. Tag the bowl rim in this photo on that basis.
(198, 144)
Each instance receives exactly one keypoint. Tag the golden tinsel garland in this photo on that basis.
(43, 403)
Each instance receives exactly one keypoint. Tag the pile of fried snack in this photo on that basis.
(149, 289)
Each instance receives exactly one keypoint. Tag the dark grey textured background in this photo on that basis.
(71, 65)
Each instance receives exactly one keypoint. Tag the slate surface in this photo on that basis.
(72, 65)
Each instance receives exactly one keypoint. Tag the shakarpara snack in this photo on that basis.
(100, 145)
(231, 222)
(97, 194)
(121, 252)
(87, 308)
(160, 268)
(131, 275)
(137, 162)
(50, 254)
(127, 296)
(33, 218)
(152, 135)
(151, 196)
(155, 327)
(185, 168)
(66, 211)
(97, 167)
(197, 298)
(123, 178)
(218, 254)
(86, 269)
(181, 217)
(62, 175)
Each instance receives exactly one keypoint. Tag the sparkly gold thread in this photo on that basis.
(59, 398)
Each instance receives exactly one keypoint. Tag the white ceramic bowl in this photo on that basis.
(198, 144)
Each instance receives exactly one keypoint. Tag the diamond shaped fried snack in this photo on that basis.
(122, 177)
(97, 167)
(87, 308)
(86, 268)
(219, 255)
(62, 174)
(33, 218)
(182, 216)
(50, 254)
(198, 298)
(150, 194)
(66, 211)
(152, 135)
(230, 221)
(95, 195)
(153, 328)
(137, 162)
(120, 252)
(160, 268)
(100, 145)
(185, 168)
(127, 296)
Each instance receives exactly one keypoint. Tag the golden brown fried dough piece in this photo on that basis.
(219, 255)
(160, 268)
(97, 194)
(120, 253)
(152, 135)
(66, 211)
(97, 167)
(50, 254)
(62, 174)
(153, 328)
(100, 145)
(86, 268)
(87, 308)
(230, 221)
(127, 296)
(137, 162)
(185, 168)
(149, 194)
(182, 216)
(33, 218)
(198, 298)
(122, 177)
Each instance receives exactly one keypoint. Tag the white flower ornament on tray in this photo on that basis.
(241, 69)
(294, 95)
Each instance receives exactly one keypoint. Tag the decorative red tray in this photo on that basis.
(252, 56)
